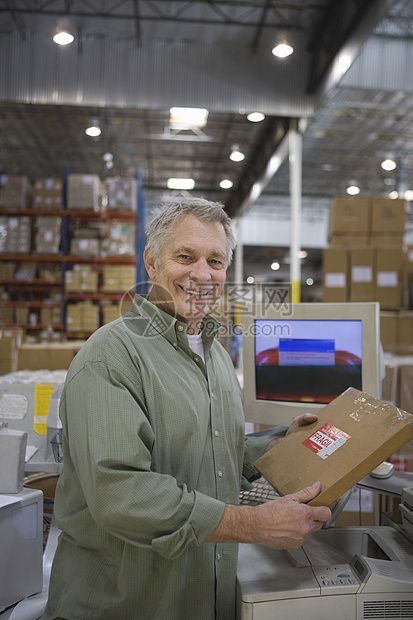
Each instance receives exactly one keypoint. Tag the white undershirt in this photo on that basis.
(196, 344)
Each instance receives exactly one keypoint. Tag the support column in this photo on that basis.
(295, 159)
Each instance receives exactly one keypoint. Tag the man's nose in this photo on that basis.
(201, 271)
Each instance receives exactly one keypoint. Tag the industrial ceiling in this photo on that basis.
(132, 60)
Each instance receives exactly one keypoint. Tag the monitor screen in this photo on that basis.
(309, 361)
(299, 363)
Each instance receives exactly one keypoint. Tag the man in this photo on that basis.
(154, 448)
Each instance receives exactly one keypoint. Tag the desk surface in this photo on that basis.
(388, 486)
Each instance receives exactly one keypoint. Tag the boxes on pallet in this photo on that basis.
(15, 191)
(47, 194)
(121, 193)
(83, 191)
(119, 239)
(10, 341)
(47, 234)
(16, 234)
(81, 279)
(119, 278)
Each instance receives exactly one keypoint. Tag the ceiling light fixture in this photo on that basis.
(353, 190)
(93, 130)
(175, 183)
(250, 280)
(107, 157)
(236, 154)
(275, 265)
(193, 117)
(388, 164)
(256, 117)
(226, 184)
(393, 195)
(282, 50)
(408, 195)
(63, 37)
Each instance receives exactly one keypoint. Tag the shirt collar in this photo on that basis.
(169, 327)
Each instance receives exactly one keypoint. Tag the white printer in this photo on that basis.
(21, 546)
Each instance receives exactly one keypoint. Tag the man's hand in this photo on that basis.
(284, 523)
(301, 420)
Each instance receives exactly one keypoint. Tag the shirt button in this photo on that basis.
(220, 473)
(180, 328)
(196, 359)
(219, 556)
(216, 433)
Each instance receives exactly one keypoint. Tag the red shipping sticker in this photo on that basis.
(326, 440)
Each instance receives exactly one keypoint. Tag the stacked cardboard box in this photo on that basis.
(119, 239)
(51, 316)
(15, 234)
(10, 341)
(50, 356)
(118, 278)
(82, 317)
(47, 194)
(121, 193)
(376, 222)
(83, 191)
(6, 315)
(15, 191)
(7, 270)
(365, 259)
(110, 312)
(47, 234)
(81, 279)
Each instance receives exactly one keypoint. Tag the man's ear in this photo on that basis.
(149, 261)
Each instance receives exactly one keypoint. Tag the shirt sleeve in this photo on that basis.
(109, 441)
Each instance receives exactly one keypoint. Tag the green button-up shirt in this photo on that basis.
(154, 446)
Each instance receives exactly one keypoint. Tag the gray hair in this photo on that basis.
(158, 230)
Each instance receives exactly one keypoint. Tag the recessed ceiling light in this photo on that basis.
(196, 117)
(250, 280)
(275, 265)
(309, 281)
(62, 37)
(107, 157)
(226, 184)
(393, 195)
(282, 50)
(388, 164)
(236, 154)
(256, 117)
(93, 131)
(353, 190)
(408, 195)
(176, 183)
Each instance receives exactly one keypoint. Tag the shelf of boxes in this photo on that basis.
(91, 228)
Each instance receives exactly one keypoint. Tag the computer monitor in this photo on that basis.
(297, 358)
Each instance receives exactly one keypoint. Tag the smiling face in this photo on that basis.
(191, 271)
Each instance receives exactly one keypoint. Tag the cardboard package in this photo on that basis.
(389, 331)
(405, 334)
(122, 193)
(335, 275)
(361, 274)
(353, 435)
(387, 215)
(388, 266)
(48, 356)
(83, 191)
(349, 215)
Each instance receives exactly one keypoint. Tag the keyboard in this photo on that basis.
(261, 492)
